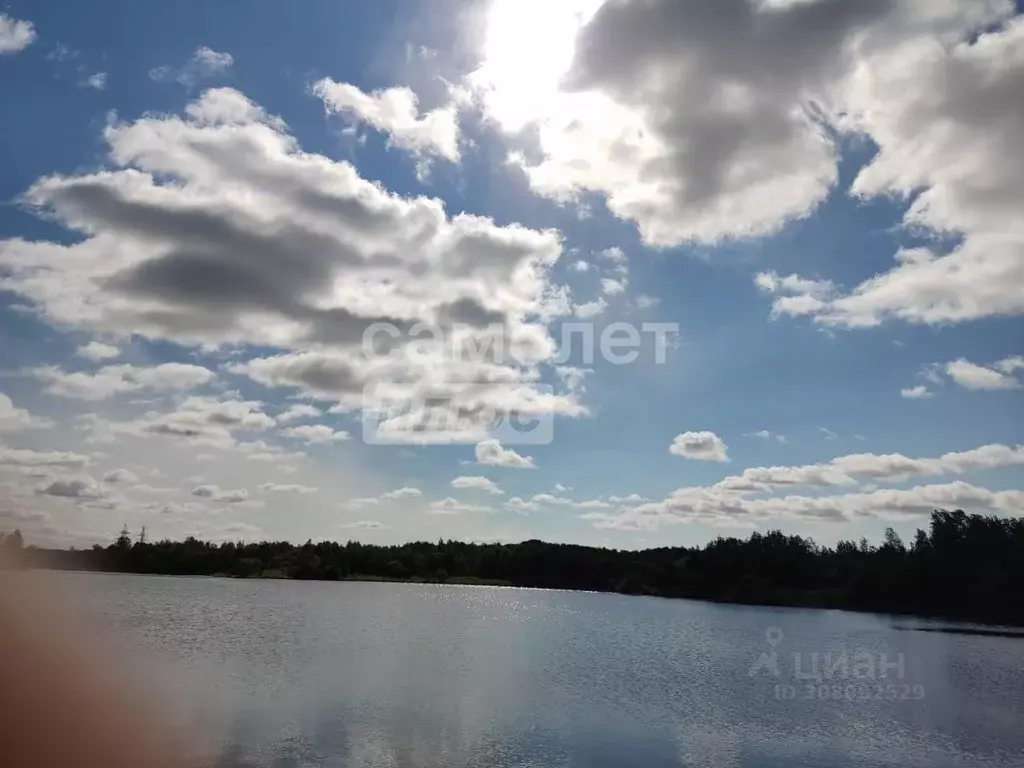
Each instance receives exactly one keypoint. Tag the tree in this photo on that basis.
(14, 542)
(124, 541)
(893, 541)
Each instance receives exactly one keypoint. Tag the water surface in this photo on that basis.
(371, 674)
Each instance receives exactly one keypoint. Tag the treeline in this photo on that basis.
(964, 566)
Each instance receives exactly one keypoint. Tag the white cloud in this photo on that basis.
(590, 309)
(477, 483)
(539, 500)
(15, 35)
(292, 488)
(643, 301)
(517, 504)
(120, 476)
(369, 525)
(202, 420)
(795, 295)
(25, 457)
(398, 494)
(395, 111)
(204, 64)
(857, 467)
(450, 506)
(592, 504)
(316, 433)
(299, 253)
(974, 376)
(83, 487)
(97, 351)
(97, 81)
(633, 498)
(218, 494)
(117, 379)
(703, 446)
(492, 453)
(696, 505)
(612, 116)
(947, 120)
(572, 377)
(13, 419)
(765, 434)
(1010, 365)
(402, 493)
(298, 412)
(610, 287)
(828, 434)
(610, 106)
(579, 266)
(920, 392)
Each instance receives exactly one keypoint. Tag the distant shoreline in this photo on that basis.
(963, 568)
(981, 626)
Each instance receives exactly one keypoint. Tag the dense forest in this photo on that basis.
(964, 566)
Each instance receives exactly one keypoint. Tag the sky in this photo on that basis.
(625, 273)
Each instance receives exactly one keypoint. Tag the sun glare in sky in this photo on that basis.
(528, 46)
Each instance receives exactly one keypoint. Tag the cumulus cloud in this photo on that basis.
(15, 34)
(612, 287)
(858, 467)
(795, 295)
(947, 119)
(316, 433)
(492, 453)
(974, 376)
(778, 84)
(120, 476)
(695, 506)
(83, 487)
(1010, 365)
(14, 419)
(589, 309)
(450, 506)
(113, 380)
(395, 111)
(369, 525)
(216, 229)
(616, 118)
(920, 392)
(279, 488)
(402, 493)
(216, 493)
(204, 64)
(96, 81)
(203, 420)
(539, 500)
(299, 412)
(25, 457)
(703, 446)
(477, 483)
(97, 351)
(397, 494)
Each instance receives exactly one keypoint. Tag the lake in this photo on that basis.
(274, 673)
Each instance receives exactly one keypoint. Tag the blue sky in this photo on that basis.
(204, 211)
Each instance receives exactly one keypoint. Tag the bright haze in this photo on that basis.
(804, 217)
